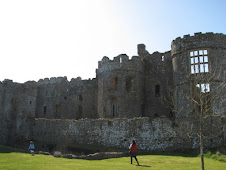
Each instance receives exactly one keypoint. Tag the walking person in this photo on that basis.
(32, 147)
(133, 151)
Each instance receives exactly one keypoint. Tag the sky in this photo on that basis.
(56, 38)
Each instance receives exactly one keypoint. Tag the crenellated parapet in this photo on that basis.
(121, 62)
(53, 80)
(199, 40)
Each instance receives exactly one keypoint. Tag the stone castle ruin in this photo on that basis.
(122, 103)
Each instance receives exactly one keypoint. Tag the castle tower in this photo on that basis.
(120, 87)
(199, 55)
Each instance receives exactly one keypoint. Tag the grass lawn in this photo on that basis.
(16, 160)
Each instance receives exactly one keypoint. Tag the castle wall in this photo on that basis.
(158, 83)
(17, 112)
(58, 98)
(3, 125)
(153, 135)
(124, 88)
(120, 87)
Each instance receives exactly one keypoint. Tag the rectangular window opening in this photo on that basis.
(205, 88)
(199, 61)
(157, 90)
(44, 110)
(114, 109)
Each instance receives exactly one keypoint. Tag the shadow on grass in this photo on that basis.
(146, 166)
(184, 153)
(7, 149)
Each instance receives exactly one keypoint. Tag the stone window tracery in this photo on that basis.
(199, 61)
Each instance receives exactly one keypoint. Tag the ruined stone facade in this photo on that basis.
(101, 111)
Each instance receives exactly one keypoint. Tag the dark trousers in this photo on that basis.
(133, 154)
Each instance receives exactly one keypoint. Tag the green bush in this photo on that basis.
(218, 156)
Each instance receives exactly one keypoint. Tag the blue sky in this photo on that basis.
(52, 38)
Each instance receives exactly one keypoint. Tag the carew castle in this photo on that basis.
(123, 102)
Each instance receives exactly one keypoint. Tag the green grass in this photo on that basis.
(217, 156)
(16, 160)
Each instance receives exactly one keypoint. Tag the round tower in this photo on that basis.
(193, 58)
(120, 87)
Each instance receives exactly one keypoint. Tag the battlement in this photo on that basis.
(121, 61)
(198, 40)
(53, 80)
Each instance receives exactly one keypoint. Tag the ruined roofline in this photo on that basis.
(51, 80)
(119, 62)
(163, 53)
(198, 34)
(64, 79)
(198, 40)
(119, 58)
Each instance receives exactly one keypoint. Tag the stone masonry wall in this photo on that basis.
(158, 80)
(154, 135)
(57, 98)
(17, 111)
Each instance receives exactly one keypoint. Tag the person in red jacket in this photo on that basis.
(133, 151)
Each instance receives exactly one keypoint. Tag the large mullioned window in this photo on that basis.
(199, 61)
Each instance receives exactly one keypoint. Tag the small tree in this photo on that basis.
(203, 94)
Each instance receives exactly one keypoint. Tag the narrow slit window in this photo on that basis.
(44, 110)
(114, 109)
(157, 90)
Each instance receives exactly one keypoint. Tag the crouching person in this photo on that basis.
(32, 147)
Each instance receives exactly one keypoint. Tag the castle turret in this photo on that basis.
(120, 87)
(196, 56)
